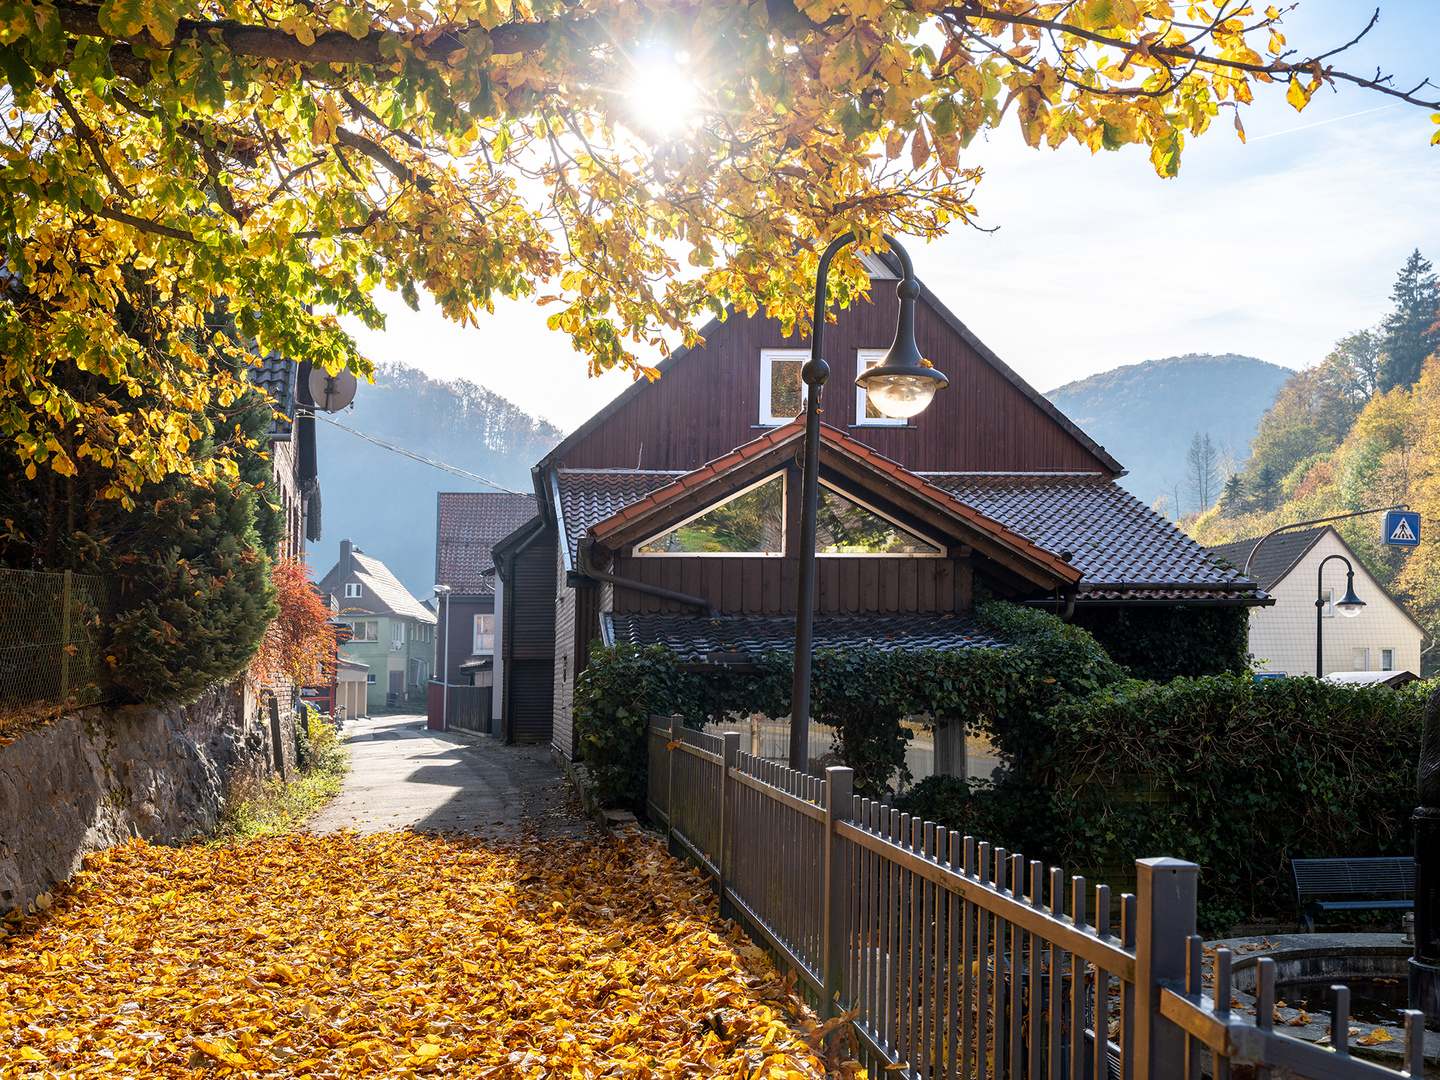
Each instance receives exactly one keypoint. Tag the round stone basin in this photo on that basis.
(1373, 966)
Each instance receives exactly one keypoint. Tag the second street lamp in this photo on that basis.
(901, 386)
(1349, 606)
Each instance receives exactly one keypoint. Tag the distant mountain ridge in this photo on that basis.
(1146, 414)
(385, 502)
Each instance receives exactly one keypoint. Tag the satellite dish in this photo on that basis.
(331, 393)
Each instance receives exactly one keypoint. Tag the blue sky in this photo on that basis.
(1274, 249)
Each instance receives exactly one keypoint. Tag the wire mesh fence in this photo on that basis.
(50, 644)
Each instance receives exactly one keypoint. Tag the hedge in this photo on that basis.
(1235, 774)
(862, 693)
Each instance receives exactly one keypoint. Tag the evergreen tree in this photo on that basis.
(1411, 332)
(1266, 489)
(1232, 499)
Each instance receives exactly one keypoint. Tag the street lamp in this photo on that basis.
(1349, 606)
(444, 590)
(901, 386)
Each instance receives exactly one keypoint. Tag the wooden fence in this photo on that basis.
(959, 960)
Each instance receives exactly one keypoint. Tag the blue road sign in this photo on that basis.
(1402, 528)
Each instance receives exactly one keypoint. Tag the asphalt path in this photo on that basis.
(404, 776)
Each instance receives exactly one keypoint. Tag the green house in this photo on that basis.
(390, 630)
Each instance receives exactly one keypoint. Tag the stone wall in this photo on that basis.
(105, 775)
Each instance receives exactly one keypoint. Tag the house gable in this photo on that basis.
(847, 584)
(707, 400)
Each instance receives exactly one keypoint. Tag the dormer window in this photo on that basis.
(751, 522)
(352, 590)
(846, 527)
(782, 391)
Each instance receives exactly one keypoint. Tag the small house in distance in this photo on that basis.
(390, 631)
(468, 524)
(1383, 637)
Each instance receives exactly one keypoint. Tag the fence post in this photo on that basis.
(65, 598)
(677, 734)
(839, 797)
(1165, 921)
(730, 752)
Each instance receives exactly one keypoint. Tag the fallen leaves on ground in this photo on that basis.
(393, 955)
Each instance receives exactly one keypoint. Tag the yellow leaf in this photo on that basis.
(1297, 95)
(919, 149)
(1377, 1036)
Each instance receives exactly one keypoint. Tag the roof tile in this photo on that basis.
(591, 495)
(694, 637)
(469, 525)
(1113, 538)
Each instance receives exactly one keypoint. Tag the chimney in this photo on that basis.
(345, 562)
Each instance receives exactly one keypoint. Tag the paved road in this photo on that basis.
(403, 775)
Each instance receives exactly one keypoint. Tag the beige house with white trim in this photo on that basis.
(1383, 637)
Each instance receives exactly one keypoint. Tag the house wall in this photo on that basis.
(562, 729)
(460, 645)
(1283, 636)
(708, 402)
(283, 468)
(383, 659)
(530, 652)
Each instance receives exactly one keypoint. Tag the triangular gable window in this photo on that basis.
(845, 527)
(749, 523)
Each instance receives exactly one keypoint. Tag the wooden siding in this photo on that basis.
(766, 587)
(562, 736)
(707, 403)
(529, 644)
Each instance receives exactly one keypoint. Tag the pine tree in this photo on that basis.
(1410, 330)
(1266, 489)
(1232, 499)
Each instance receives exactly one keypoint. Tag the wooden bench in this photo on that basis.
(1323, 885)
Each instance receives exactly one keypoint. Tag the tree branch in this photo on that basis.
(331, 47)
(377, 153)
(92, 144)
(144, 224)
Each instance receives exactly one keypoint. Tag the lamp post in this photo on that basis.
(1349, 606)
(901, 386)
(444, 590)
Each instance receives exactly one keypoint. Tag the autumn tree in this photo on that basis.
(1411, 333)
(1202, 468)
(174, 158)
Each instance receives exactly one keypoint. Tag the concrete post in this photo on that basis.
(1166, 918)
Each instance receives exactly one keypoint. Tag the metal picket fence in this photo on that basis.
(50, 637)
(958, 960)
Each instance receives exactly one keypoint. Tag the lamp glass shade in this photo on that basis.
(900, 395)
(1351, 604)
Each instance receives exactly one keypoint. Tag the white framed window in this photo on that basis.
(1359, 659)
(1328, 611)
(782, 390)
(1387, 659)
(484, 634)
(750, 522)
(353, 590)
(848, 527)
(397, 635)
(365, 631)
(866, 415)
(370, 678)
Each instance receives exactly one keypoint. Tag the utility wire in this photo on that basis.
(442, 466)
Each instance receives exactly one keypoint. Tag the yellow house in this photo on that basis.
(1382, 637)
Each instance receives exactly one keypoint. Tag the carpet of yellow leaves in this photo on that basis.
(393, 955)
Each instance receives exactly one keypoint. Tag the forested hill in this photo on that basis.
(385, 502)
(1146, 414)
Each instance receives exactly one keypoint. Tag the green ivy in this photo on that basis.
(1163, 642)
(863, 694)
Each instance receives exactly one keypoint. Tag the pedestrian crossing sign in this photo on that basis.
(1402, 528)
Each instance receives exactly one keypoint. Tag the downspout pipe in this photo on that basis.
(588, 568)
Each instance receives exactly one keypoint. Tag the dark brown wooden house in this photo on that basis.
(672, 511)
